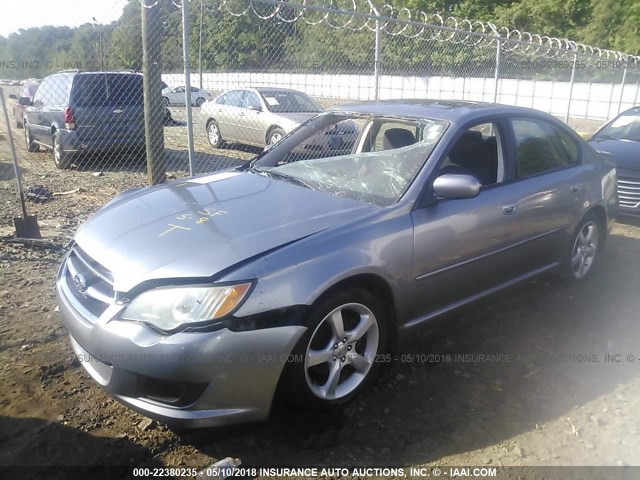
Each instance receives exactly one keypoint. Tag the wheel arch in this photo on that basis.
(600, 214)
(376, 285)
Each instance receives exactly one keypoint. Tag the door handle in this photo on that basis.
(509, 209)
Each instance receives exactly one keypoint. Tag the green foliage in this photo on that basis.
(247, 43)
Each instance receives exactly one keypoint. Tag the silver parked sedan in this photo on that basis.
(192, 301)
(176, 96)
(256, 116)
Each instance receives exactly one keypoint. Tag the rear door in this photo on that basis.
(108, 106)
(548, 191)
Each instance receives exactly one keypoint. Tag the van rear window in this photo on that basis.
(108, 90)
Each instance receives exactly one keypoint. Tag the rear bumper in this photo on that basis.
(72, 142)
(186, 379)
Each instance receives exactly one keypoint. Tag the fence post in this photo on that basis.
(635, 100)
(200, 45)
(152, 84)
(573, 76)
(187, 80)
(376, 63)
(497, 73)
(624, 79)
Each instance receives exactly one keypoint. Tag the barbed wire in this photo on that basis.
(417, 25)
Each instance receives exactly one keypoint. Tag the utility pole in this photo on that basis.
(200, 49)
(153, 105)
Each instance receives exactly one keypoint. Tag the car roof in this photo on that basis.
(454, 111)
(274, 89)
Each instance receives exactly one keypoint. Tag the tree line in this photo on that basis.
(221, 41)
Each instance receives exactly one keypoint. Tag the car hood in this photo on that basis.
(626, 153)
(202, 226)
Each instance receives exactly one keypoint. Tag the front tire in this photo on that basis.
(61, 158)
(165, 100)
(338, 356)
(199, 102)
(585, 248)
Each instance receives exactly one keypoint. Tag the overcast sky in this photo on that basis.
(17, 14)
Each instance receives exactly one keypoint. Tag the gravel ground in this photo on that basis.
(528, 377)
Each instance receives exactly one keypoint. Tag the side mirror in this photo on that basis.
(13, 96)
(455, 186)
(24, 101)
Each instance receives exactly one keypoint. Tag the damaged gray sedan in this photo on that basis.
(194, 302)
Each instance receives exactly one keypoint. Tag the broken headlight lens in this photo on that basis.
(168, 308)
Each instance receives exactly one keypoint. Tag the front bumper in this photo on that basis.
(186, 379)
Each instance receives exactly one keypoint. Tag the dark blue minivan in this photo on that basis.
(77, 113)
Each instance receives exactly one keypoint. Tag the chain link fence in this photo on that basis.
(255, 69)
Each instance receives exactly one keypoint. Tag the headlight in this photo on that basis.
(171, 307)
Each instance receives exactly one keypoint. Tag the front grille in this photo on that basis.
(90, 283)
(629, 192)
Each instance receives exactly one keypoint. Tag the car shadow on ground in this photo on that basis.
(7, 171)
(492, 371)
(70, 453)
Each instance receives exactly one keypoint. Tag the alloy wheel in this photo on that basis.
(341, 351)
(584, 249)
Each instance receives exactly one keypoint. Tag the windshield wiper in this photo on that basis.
(289, 178)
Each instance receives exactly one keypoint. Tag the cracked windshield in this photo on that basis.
(370, 159)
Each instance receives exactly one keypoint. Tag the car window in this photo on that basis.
(250, 100)
(108, 90)
(222, 99)
(332, 153)
(625, 127)
(179, 90)
(235, 98)
(29, 90)
(194, 89)
(542, 147)
(289, 101)
(54, 90)
(477, 151)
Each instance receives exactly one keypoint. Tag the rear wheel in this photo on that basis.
(61, 158)
(275, 135)
(166, 101)
(213, 134)
(586, 244)
(28, 140)
(199, 101)
(337, 356)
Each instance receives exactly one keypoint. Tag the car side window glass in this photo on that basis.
(477, 152)
(250, 100)
(40, 98)
(223, 99)
(542, 147)
(235, 98)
